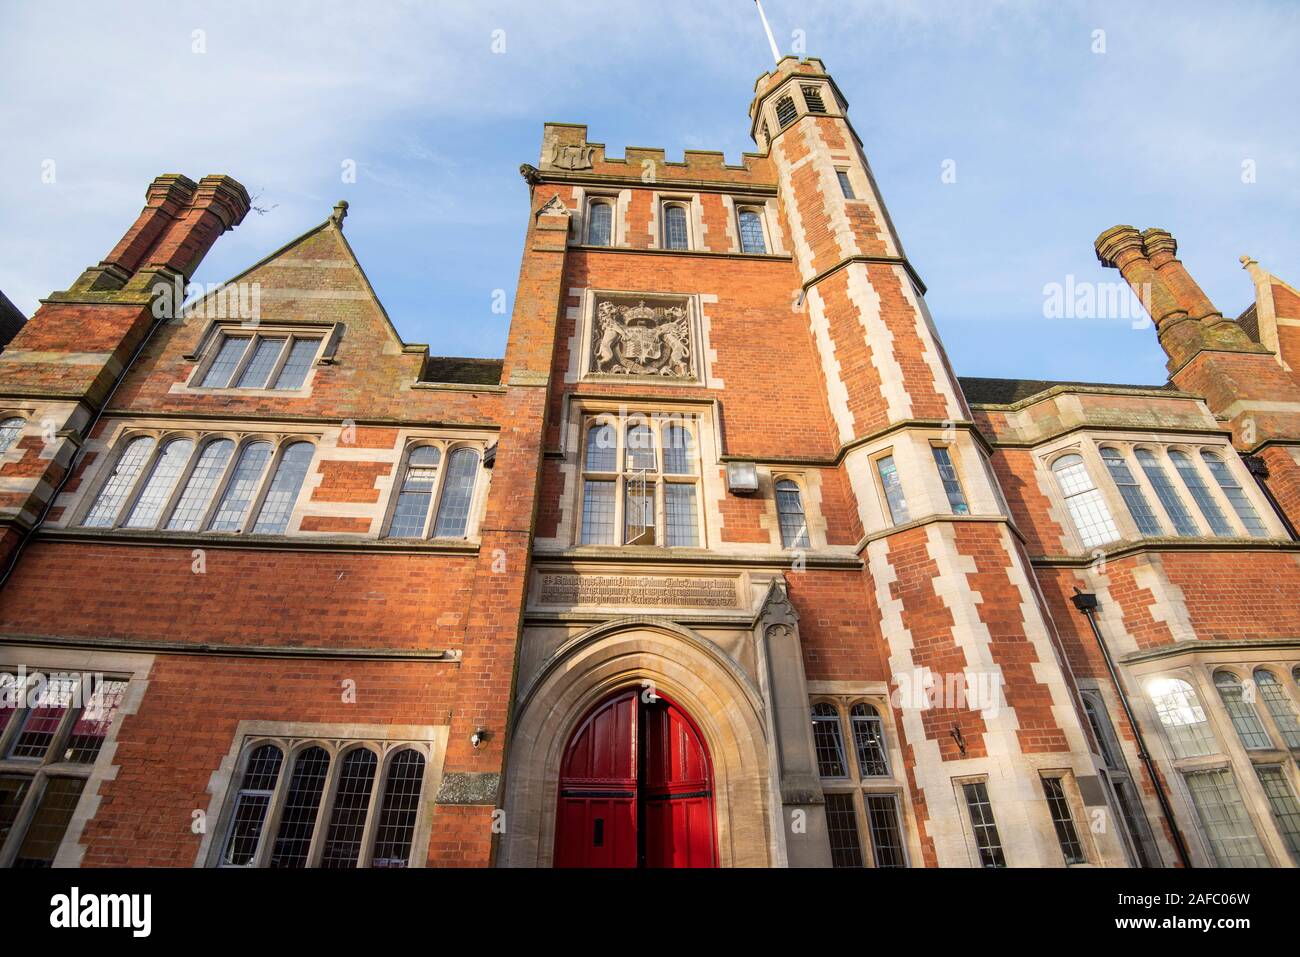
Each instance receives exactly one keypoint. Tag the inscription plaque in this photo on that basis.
(682, 591)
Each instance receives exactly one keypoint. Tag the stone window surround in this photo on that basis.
(217, 330)
(814, 524)
(968, 825)
(337, 739)
(621, 421)
(445, 446)
(616, 217)
(1078, 815)
(694, 208)
(842, 696)
(99, 474)
(1089, 446)
(134, 669)
(1198, 670)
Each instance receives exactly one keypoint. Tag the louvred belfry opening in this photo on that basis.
(636, 788)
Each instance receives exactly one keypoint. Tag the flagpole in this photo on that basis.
(776, 52)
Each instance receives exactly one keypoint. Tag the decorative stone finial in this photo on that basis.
(340, 213)
(1247, 261)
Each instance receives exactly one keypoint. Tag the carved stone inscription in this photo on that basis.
(638, 591)
(633, 338)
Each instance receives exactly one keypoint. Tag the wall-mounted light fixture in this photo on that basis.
(478, 737)
(742, 478)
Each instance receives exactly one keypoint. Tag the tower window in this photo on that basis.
(846, 187)
(790, 515)
(600, 224)
(813, 97)
(676, 234)
(785, 111)
(751, 232)
(893, 487)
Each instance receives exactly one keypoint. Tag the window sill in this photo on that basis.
(296, 542)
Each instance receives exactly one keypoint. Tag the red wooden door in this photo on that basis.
(635, 789)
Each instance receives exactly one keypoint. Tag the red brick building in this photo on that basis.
(721, 564)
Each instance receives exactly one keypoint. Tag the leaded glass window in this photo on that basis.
(103, 513)
(282, 493)
(893, 487)
(10, 429)
(869, 740)
(1168, 495)
(751, 232)
(1244, 718)
(1063, 821)
(1279, 706)
(600, 224)
(1087, 506)
(1131, 491)
(1200, 493)
(790, 515)
(951, 480)
(829, 741)
(153, 497)
(1233, 492)
(676, 232)
(1224, 819)
(987, 840)
(1185, 725)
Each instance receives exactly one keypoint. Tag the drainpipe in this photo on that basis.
(1087, 603)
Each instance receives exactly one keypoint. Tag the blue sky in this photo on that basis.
(1051, 142)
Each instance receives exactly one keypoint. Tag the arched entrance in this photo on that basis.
(636, 788)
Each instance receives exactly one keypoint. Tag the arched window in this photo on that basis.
(351, 804)
(1167, 494)
(190, 508)
(1131, 491)
(829, 741)
(256, 788)
(1234, 494)
(1249, 728)
(10, 429)
(790, 515)
(1200, 493)
(602, 448)
(457, 493)
(412, 510)
(751, 232)
(1279, 706)
(1086, 505)
(273, 518)
(311, 769)
(869, 740)
(119, 484)
(167, 467)
(600, 224)
(1182, 717)
(676, 234)
(242, 488)
(395, 827)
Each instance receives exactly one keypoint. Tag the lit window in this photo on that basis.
(1200, 493)
(1132, 493)
(987, 841)
(1282, 802)
(600, 224)
(751, 232)
(812, 96)
(790, 515)
(103, 514)
(1234, 494)
(1182, 717)
(654, 498)
(676, 234)
(324, 803)
(829, 741)
(60, 725)
(1224, 819)
(785, 111)
(893, 487)
(261, 362)
(951, 482)
(1063, 821)
(1165, 491)
(1249, 728)
(1085, 503)
(1279, 706)
(846, 187)
(10, 429)
(282, 493)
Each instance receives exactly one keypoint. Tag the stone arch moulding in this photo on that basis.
(725, 704)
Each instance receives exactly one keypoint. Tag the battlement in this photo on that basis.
(566, 151)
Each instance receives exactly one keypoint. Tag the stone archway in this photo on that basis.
(684, 666)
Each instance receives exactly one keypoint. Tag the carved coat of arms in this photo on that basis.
(572, 156)
(641, 340)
